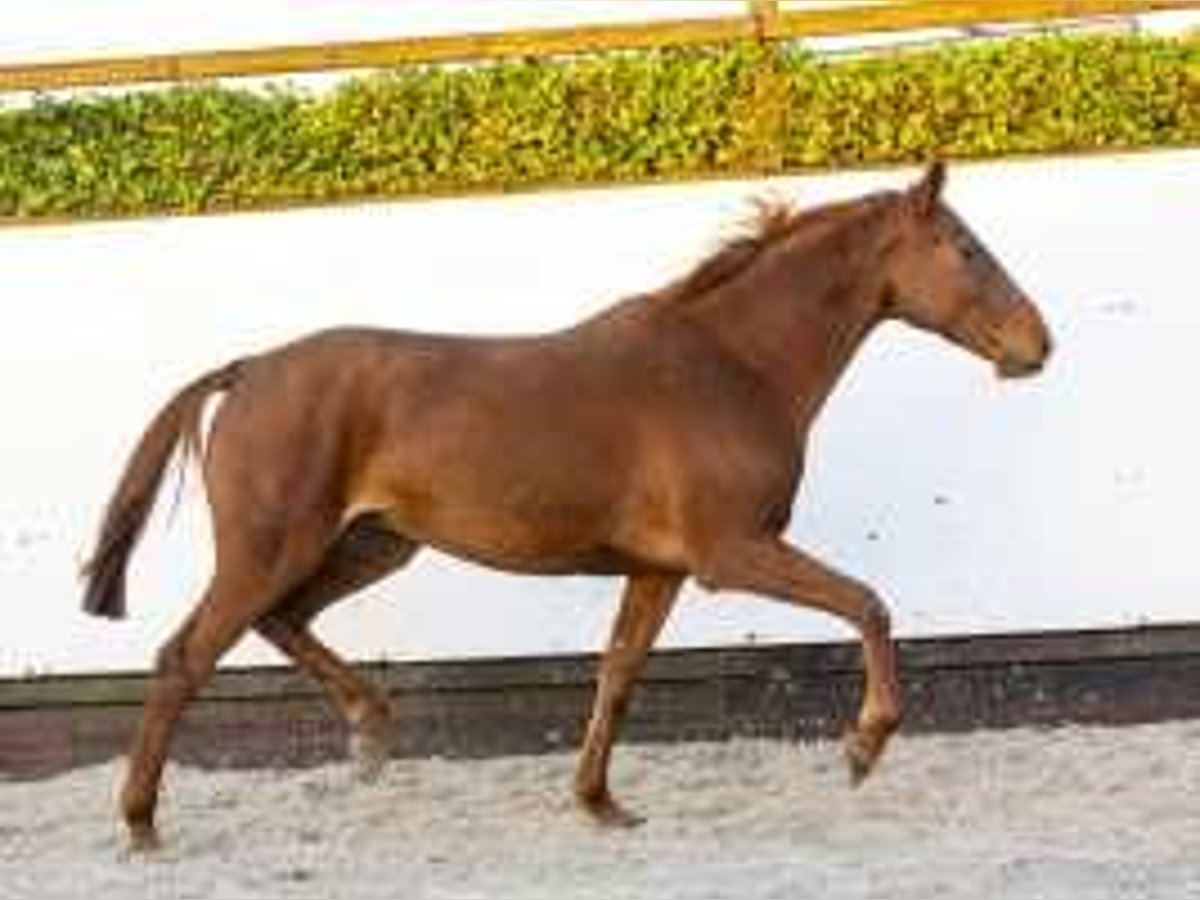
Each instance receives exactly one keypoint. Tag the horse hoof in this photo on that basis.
(609, 814)
(861, 755)
(143, 841)
(369, 753)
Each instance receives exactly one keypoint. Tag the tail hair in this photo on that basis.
(176, 427)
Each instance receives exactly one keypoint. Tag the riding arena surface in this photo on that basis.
(1073, 813)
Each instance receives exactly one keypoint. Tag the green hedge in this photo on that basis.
(611, 117)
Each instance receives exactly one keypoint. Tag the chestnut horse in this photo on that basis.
(661, 439)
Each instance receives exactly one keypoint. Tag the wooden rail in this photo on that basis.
(765, 21)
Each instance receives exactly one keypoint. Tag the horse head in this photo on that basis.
(942, 278)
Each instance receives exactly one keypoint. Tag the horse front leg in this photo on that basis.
(645, 605)
(771, 568)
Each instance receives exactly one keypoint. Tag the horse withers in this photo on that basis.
(659, 440)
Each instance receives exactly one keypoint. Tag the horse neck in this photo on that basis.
(799, 312)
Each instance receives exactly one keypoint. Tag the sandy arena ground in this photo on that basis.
(1077, 814)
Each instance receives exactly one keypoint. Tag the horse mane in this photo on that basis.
(771, 220)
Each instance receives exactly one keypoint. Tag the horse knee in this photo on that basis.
(876, 617)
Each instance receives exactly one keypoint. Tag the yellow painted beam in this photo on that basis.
(371, 54)
(766, 22)
(919, 14)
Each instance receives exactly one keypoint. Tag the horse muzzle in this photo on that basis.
(1024, 342)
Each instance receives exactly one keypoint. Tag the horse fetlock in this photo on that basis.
(138, 812)
(370, 720)
(881, 713)
(589, 789)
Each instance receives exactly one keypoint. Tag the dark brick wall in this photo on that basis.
(491, 707)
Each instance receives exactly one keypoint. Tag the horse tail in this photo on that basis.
(177, 425)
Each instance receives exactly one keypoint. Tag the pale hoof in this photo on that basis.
(368, 752)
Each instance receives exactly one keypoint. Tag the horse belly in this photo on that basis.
(522, 518)
(532, 538)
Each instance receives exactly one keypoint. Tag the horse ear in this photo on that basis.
(925, 193)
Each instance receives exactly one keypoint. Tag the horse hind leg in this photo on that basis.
(233, 600)
(364, 553)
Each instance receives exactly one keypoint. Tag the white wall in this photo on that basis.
(74, 29)
(1066, 501)
(78, 28)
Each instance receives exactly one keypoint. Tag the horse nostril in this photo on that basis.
(1022, 365)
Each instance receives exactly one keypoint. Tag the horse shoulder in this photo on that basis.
(710, 435)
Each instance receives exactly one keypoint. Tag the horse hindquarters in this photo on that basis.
(271, 473)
